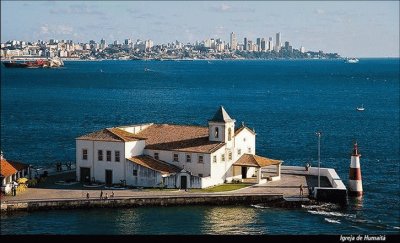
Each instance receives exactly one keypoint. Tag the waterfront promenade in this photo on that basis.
(50, 193)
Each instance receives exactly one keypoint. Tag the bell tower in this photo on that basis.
(221, 128)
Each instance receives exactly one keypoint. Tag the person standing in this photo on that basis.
(87, 195)
(301, 189)
(101, 194)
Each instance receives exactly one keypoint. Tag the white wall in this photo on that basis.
(229, 143)
(80, 145)
(223, 169)
(220, 169)
(134, 148)
(118, 172)
(135, 128)
(194, 166)
(243, 141)
(150, 178)
(222, 132)
(97, 168)
(331, 174)
(208, 181)
(145, 176)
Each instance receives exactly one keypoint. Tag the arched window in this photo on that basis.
(216, 132)
(229, 134)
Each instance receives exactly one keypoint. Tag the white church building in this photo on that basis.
(172, 156)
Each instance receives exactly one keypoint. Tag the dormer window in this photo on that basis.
(216, 132)
(229, 134)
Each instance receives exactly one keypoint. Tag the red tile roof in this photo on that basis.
(179, 138)
(252, 160)
(157, 165)
(10, 167)
(162, 137)
(111, 135)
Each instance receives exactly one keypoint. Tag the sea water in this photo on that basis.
(285, 101)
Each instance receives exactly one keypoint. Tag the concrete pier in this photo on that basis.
(282, 193)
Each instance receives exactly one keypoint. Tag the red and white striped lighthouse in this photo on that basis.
(355, 182)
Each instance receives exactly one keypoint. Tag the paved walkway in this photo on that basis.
(289, 186)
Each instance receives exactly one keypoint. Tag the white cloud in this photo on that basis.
(56, 30)
(225, 7)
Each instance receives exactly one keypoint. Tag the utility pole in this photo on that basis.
(319, 158)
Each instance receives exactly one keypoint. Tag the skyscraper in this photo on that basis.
(128, 41)
(258, 44)
(245, 47)
(263, 46)
(250, 45)
(287, 45)
(278, 41)
(102, 44)
(233, 42)
(270, 44)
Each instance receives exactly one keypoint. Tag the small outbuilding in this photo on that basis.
(10, 172)
(253, 163)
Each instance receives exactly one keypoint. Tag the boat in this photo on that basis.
(352, 60)
(14, 64)
(360, 108)
(53, 62)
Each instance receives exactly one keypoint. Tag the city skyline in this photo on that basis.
(361, 29)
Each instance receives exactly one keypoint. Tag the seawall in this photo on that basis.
(273, 200)
(336, 193)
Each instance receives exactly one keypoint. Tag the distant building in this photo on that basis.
(103, 44)
(278, 43)
(128, 41)
(250, 45)
(207, 43)
(287, 45)
(302, 49)
(213, 44)
(245, 44)
(62, 53)
(148, 44)
(270, 44)
(53, 42)
(258, 48)
(233, 41)
(174, 156)
(263, 45)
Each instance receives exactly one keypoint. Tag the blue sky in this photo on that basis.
(359, 28)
